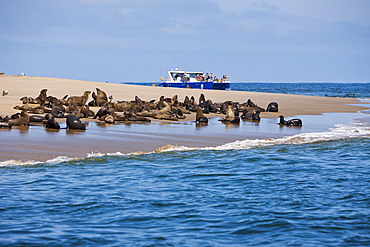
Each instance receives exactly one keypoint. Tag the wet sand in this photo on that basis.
(25, 143)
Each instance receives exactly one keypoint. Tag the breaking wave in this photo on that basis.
(342, 131)
(357, 129)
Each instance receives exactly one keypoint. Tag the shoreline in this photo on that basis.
(35, 143)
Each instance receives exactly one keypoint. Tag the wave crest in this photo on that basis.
(342, 131)
(356, 129)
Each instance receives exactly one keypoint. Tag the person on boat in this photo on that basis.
(186, 77)
(207, 77)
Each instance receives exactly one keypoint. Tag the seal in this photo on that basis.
(100, 98)
(251, 115)
(5, 125)
(52, 124)
(80, 100)
(272, 107)
(36, 118)
(200, 118)
(175, 100)
(292, 122)
(24, 119)
(106, 109)
(41, 99)
(73, 122)
(58, 109)
(230, 114)
(202, 99)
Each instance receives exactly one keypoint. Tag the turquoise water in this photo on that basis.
(308, 189)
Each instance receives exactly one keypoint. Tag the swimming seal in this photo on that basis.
(292, 122)
(73, 122)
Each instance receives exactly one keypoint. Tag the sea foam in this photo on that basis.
(359, 128)
(341, 131)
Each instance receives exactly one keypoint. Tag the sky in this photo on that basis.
(140, 40)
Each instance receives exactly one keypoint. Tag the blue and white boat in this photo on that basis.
(192, 79)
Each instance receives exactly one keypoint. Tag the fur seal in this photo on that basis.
(58, 109)
(106, 109)
(251, 115)
(73, 122)
(52, 124)
(166, 108)
(174, 100)
(292, 122)
(100, 98)
(5, 125)
(202, 99)
(250, 103)
(272, 107)
(36, 118)
(47, 117)
(109, 119)
(200, 118)
(24, 119)
(41, 99)
(80, 100)
(230, 114)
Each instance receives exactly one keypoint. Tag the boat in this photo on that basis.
(192, 79)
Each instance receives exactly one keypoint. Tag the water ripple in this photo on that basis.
(313, 194)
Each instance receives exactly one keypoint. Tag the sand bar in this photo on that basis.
(36, 143)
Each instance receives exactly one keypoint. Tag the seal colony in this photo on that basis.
(125, 103)
(42, 139)
(47, 109)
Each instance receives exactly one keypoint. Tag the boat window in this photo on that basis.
(175, 75)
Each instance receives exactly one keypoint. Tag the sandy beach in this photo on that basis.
(24, 143)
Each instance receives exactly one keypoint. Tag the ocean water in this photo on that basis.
(306, 189)
(326, 89)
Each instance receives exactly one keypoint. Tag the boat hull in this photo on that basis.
(199, 85)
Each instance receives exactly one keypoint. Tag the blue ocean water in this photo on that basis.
(327, 89)
(309, 189)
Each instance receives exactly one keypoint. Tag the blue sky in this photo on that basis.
(139, 40)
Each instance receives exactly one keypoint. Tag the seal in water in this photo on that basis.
(73, 122)
(251, 115)
(200, 118)
(292, 122)
(52, 124)
(230, 114)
